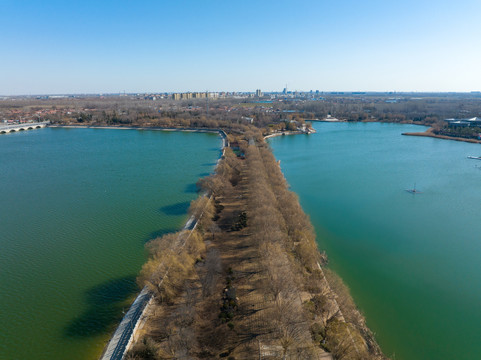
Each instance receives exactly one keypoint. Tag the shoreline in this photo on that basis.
(221, 132)
(124, 335)
(327, 121)
(133, 321)
(368, 334)
(289, 133)
(157, 128)
(429, 133)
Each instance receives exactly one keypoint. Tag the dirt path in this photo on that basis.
(253, 332)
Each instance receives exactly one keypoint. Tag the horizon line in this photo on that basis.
(249, 92)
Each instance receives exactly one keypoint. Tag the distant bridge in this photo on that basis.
(5, 129)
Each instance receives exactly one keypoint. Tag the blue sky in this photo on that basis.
(49, 47)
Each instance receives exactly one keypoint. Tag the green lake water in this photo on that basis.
(412, 262)
(76, 208)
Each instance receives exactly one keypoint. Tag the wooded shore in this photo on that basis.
(429, 133)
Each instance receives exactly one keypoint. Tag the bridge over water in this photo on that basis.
(5, 129)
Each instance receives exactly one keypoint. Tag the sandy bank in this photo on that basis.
(289, 133)
(429, 133)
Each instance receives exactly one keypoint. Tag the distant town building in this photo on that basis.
(194, 95)
(471, 122)
(200, 95)
(148, 97)
(248, 119)
(258, 93)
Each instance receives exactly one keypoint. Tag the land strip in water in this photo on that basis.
(249, 282)
(431, 133)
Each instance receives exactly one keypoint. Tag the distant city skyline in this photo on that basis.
(58, 47)
(253, 92)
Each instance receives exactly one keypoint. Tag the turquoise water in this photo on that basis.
(412, 261)
(76, 207)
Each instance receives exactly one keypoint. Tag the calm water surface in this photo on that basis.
(412, 261)
(76, 207)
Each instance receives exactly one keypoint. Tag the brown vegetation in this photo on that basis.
(235, 114)
(250, 291)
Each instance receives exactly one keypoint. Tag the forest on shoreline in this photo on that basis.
(271, 113)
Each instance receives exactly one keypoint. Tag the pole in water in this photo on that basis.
(413, 190)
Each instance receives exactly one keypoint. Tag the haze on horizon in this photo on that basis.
(53, 47)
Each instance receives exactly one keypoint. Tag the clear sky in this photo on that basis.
(86, 46)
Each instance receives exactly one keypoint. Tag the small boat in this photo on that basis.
(474, 157)
(413, 190)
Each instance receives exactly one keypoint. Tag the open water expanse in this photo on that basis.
(76, 208)
(412, 262)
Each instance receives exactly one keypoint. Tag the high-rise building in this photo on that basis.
(258, 93)
(194, 95)
(199, 95)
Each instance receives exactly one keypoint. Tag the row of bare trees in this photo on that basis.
(170, 263)
(171, 275)
(293, 266)
(307, 309)
(290, 330)
(185, 275)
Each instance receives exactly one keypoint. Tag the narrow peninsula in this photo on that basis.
(248, 282)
